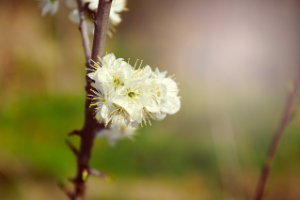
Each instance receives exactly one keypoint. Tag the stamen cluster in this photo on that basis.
(126, 97)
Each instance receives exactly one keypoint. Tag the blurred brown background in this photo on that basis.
(234, 61)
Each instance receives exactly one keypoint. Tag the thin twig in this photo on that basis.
(84, 32)
(287, 114)
(75, 132)
(91, 126)
(69, 193)
(72, 148)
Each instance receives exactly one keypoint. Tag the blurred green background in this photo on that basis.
(234, 61)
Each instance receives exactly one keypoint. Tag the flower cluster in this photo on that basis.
(126, 97)
(117, 6)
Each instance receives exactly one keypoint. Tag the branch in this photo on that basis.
(75, 132)
(72, 148)
(84, 32)
(101, 28)
(69, 193)
(91, 126)
(286, 117)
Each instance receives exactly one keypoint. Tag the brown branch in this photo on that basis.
(72, 148)
(101, 28)
(75, 132)
(91, 126)
(84, 32)
(68, 193)
(287, 114)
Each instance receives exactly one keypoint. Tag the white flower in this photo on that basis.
(126, 97)
(115, 73)
(92, 4)
(113, 134)
(109, 83)
(166, 93)
(74, 17)
(117, 7)
(114, 17)
(130, 98)
(49, 7)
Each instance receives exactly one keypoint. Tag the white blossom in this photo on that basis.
(74, 17)
(126, 97)
(92, 4)
(117, 7)
(166, 93)
(113, 134)
(49, 7)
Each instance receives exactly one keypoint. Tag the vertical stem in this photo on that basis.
(91, 126)
(284, 122)
(84, 33)
(101, 28)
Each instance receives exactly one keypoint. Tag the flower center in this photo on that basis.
(131, 94)
(158, 93)
(117, 81)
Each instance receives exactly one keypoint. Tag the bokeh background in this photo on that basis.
(234, 61)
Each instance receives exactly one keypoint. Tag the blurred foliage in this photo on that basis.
(34, 131)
